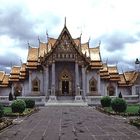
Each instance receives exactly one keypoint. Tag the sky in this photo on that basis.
(115, 23)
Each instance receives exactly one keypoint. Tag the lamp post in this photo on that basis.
(137, 65)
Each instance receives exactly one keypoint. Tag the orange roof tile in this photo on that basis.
(15, 70)
(85, 48)
(1, 75)
(42, 49)
(77, 41)
(51, 41)
(112, 69)
(32, 54)
(95, 54)
(5, 80)
(23, 68)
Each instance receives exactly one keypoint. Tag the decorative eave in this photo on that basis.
(5, 81)
(96, 65)
(2, 73)
(127, 79)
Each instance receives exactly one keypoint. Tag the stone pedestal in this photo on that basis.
(78, 98)
(52, 99)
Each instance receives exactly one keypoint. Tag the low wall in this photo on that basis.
(39, 100)
(95, 100)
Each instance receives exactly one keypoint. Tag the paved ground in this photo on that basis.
(71, 123)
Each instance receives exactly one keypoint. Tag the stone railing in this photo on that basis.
(131, 98)
(4, 100)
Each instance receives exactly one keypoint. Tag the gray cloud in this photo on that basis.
(117, 40)
(15, 24)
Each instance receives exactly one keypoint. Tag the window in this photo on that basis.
(36, 85)
(17, 90)
(137, 90)
(111, 90)
(93, 85)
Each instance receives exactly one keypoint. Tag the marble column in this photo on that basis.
(105, 87)
(53, 79)
(116, 90)
(83, 80)
(133, 90)
(76, 77)
(30, 82)
(47, 80)
(99, 83)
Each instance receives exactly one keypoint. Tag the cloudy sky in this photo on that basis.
(115, 23)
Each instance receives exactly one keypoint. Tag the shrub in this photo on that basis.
(105, 101)
(119, 105)
(10, 96)
(18, 106)
(30, 103)
(139, 111)
(1, 110)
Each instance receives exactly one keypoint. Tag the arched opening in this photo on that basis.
(65, 83)
(17, 90)
(93, 86)
(36, 85)
(111, 90)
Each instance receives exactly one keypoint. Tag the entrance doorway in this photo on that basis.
(65, 83)
(65, 88)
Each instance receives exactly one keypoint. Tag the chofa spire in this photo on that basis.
(65, 22)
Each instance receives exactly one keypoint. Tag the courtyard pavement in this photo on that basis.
(71, 123)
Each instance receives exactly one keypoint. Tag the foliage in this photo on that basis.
(1, 110)
(105, 101)
(120, 95)
(139, 111)
(119, 105)
(10, 96)
(18, 106)
(30, 103)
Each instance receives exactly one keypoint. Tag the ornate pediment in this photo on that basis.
(65, 44)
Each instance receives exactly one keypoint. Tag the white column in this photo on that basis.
(76, 77)
(12, 89)
(53, 79)
(116, 90)
(30, 82)
(99, 82)
(47, 80)
(83, 80)
(105, 87)
(133, 90)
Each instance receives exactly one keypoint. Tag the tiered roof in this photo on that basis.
(15, 73)
(104, 74)
(109, 73)
(96, 62)
(113, 72)
(128, 78)
(4, 79)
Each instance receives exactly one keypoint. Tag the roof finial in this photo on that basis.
(38, 39)
(28, 44)
(80, 34)
(47, 34)
(89, 39)
(65, 22)
(99, 43)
